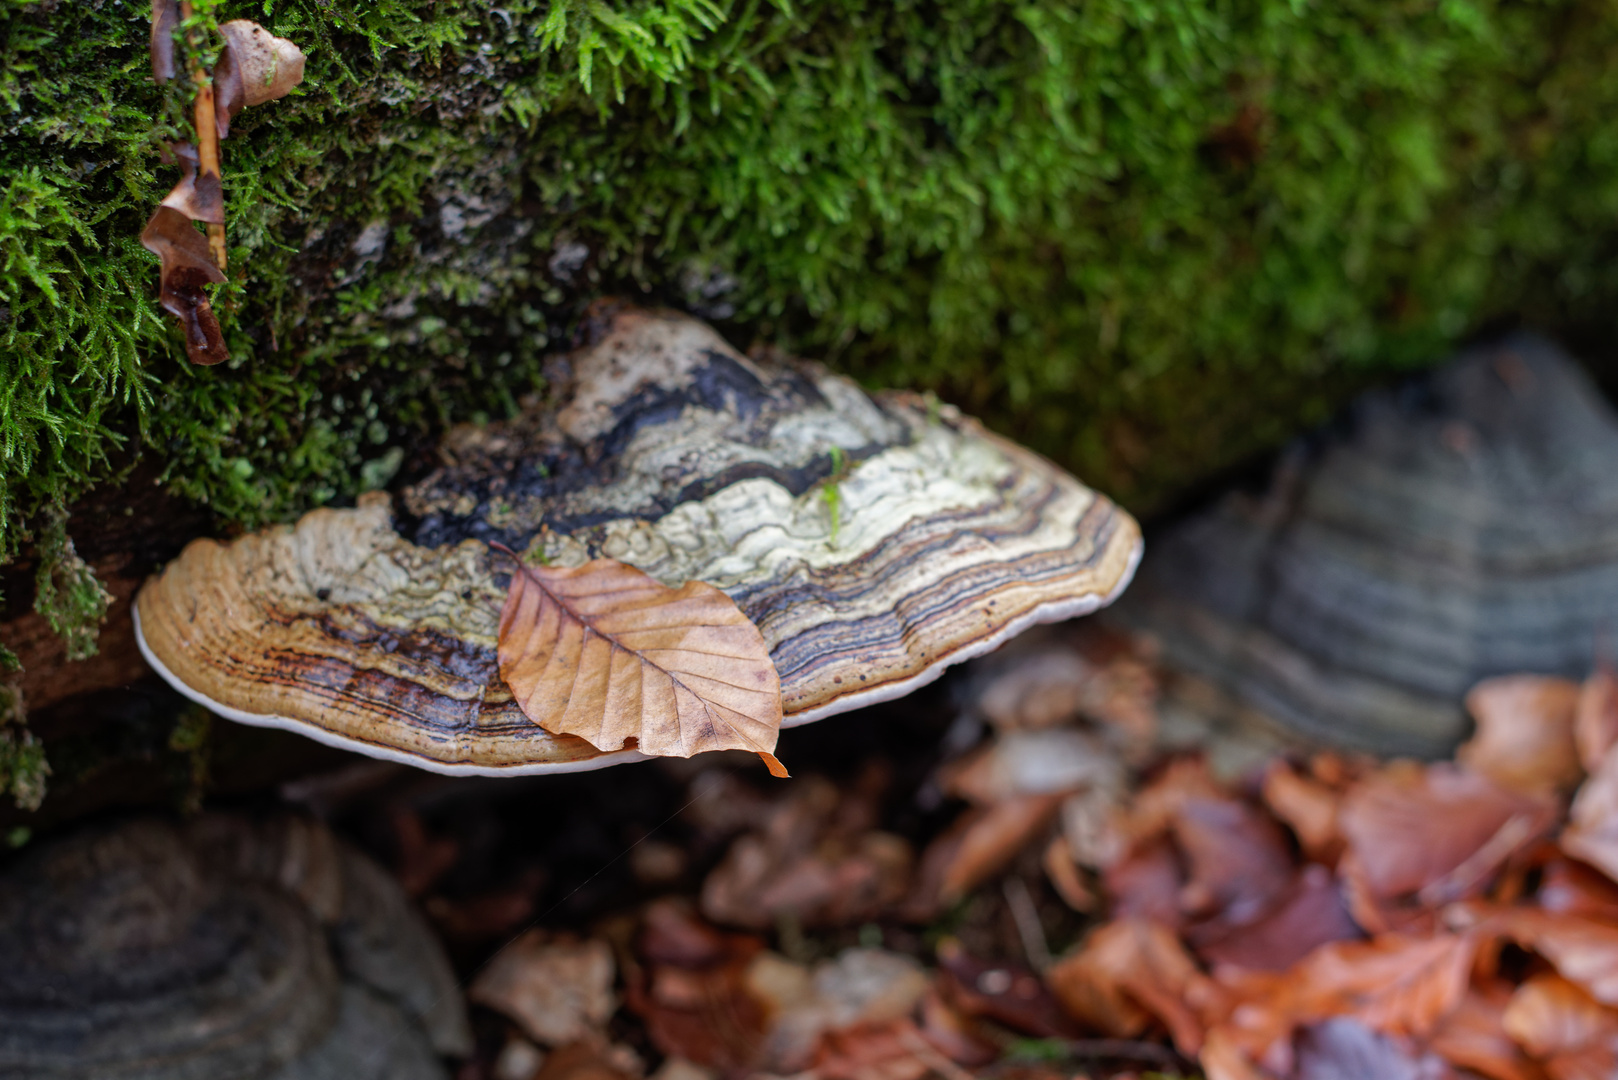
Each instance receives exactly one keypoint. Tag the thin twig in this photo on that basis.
(1026, 916)
(1124, 1050)
(207, 136)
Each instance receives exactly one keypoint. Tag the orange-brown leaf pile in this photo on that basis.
(1346, 918)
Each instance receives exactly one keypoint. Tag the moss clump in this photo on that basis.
(23, 768)
(66, 591)
(1145, 237)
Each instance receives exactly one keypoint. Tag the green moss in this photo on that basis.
(66, 591)
(23, 768)
(1146, 237)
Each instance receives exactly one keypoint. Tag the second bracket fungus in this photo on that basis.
(377, 628)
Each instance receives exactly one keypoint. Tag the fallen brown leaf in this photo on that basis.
(1008, 994)
(1437, 830)
(608, 653)
(953, 1033)
(1095, 825)
(1524, 740)
(1147, 885)
(256, 67)
(557, 992)
(1595, 722)
(1044, 682)
(1307, 807)
(1343, 1048)
(979, 845)
(893, 1050)
(1398, 984)
(1548, 1015)
(1573, 888)
(1314, 914)
(1048, 762)
(815, 859)
(1239, 863)
(694, 997)
(1063, 872)
(1155, 806)
(1474, 1037)
(582, 1061)
(1592, 832)
(1132, 969)
(187, 267)
(1582, 950)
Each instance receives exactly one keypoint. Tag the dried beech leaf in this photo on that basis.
(1474, 1037)
(1309, 809)
(1131, 968)
(1007, 994)
(1412, 828)
(1573, 888)
(256, 67)
(1239, 864)
(608, 653)
(693, 995)
(558, 993)
(1147, 884)
(1400, 984)
(810, 858)
(1582, 951)
(1345, 1049)
(198, 198)
(1524, 739)
(1311, 916)
(992, 839)
(1592, 834)
(165, 17)
(1595, 723)
(187, 267)
(1549, 1015)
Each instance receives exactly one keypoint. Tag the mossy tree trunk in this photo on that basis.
(1148, 239)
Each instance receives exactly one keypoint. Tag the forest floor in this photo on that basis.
(1052, 865)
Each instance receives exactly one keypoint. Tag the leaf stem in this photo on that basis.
(207, 137)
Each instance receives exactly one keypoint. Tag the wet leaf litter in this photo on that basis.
(1059, 894)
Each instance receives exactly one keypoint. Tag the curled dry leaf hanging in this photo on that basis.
(256, 67)
(187, 267)
(165, 18)
(199, 198)
(606, 652)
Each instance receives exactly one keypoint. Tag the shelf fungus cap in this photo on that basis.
(874, 540)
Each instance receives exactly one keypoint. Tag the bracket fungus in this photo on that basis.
(376, 628)
(221, 948)
(1461, 526)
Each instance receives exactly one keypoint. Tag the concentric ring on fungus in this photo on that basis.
(873, 540)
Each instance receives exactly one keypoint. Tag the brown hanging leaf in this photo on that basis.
(199, 198)
(256, 67)
(187, 267)
(607, 653)
(165, 17)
